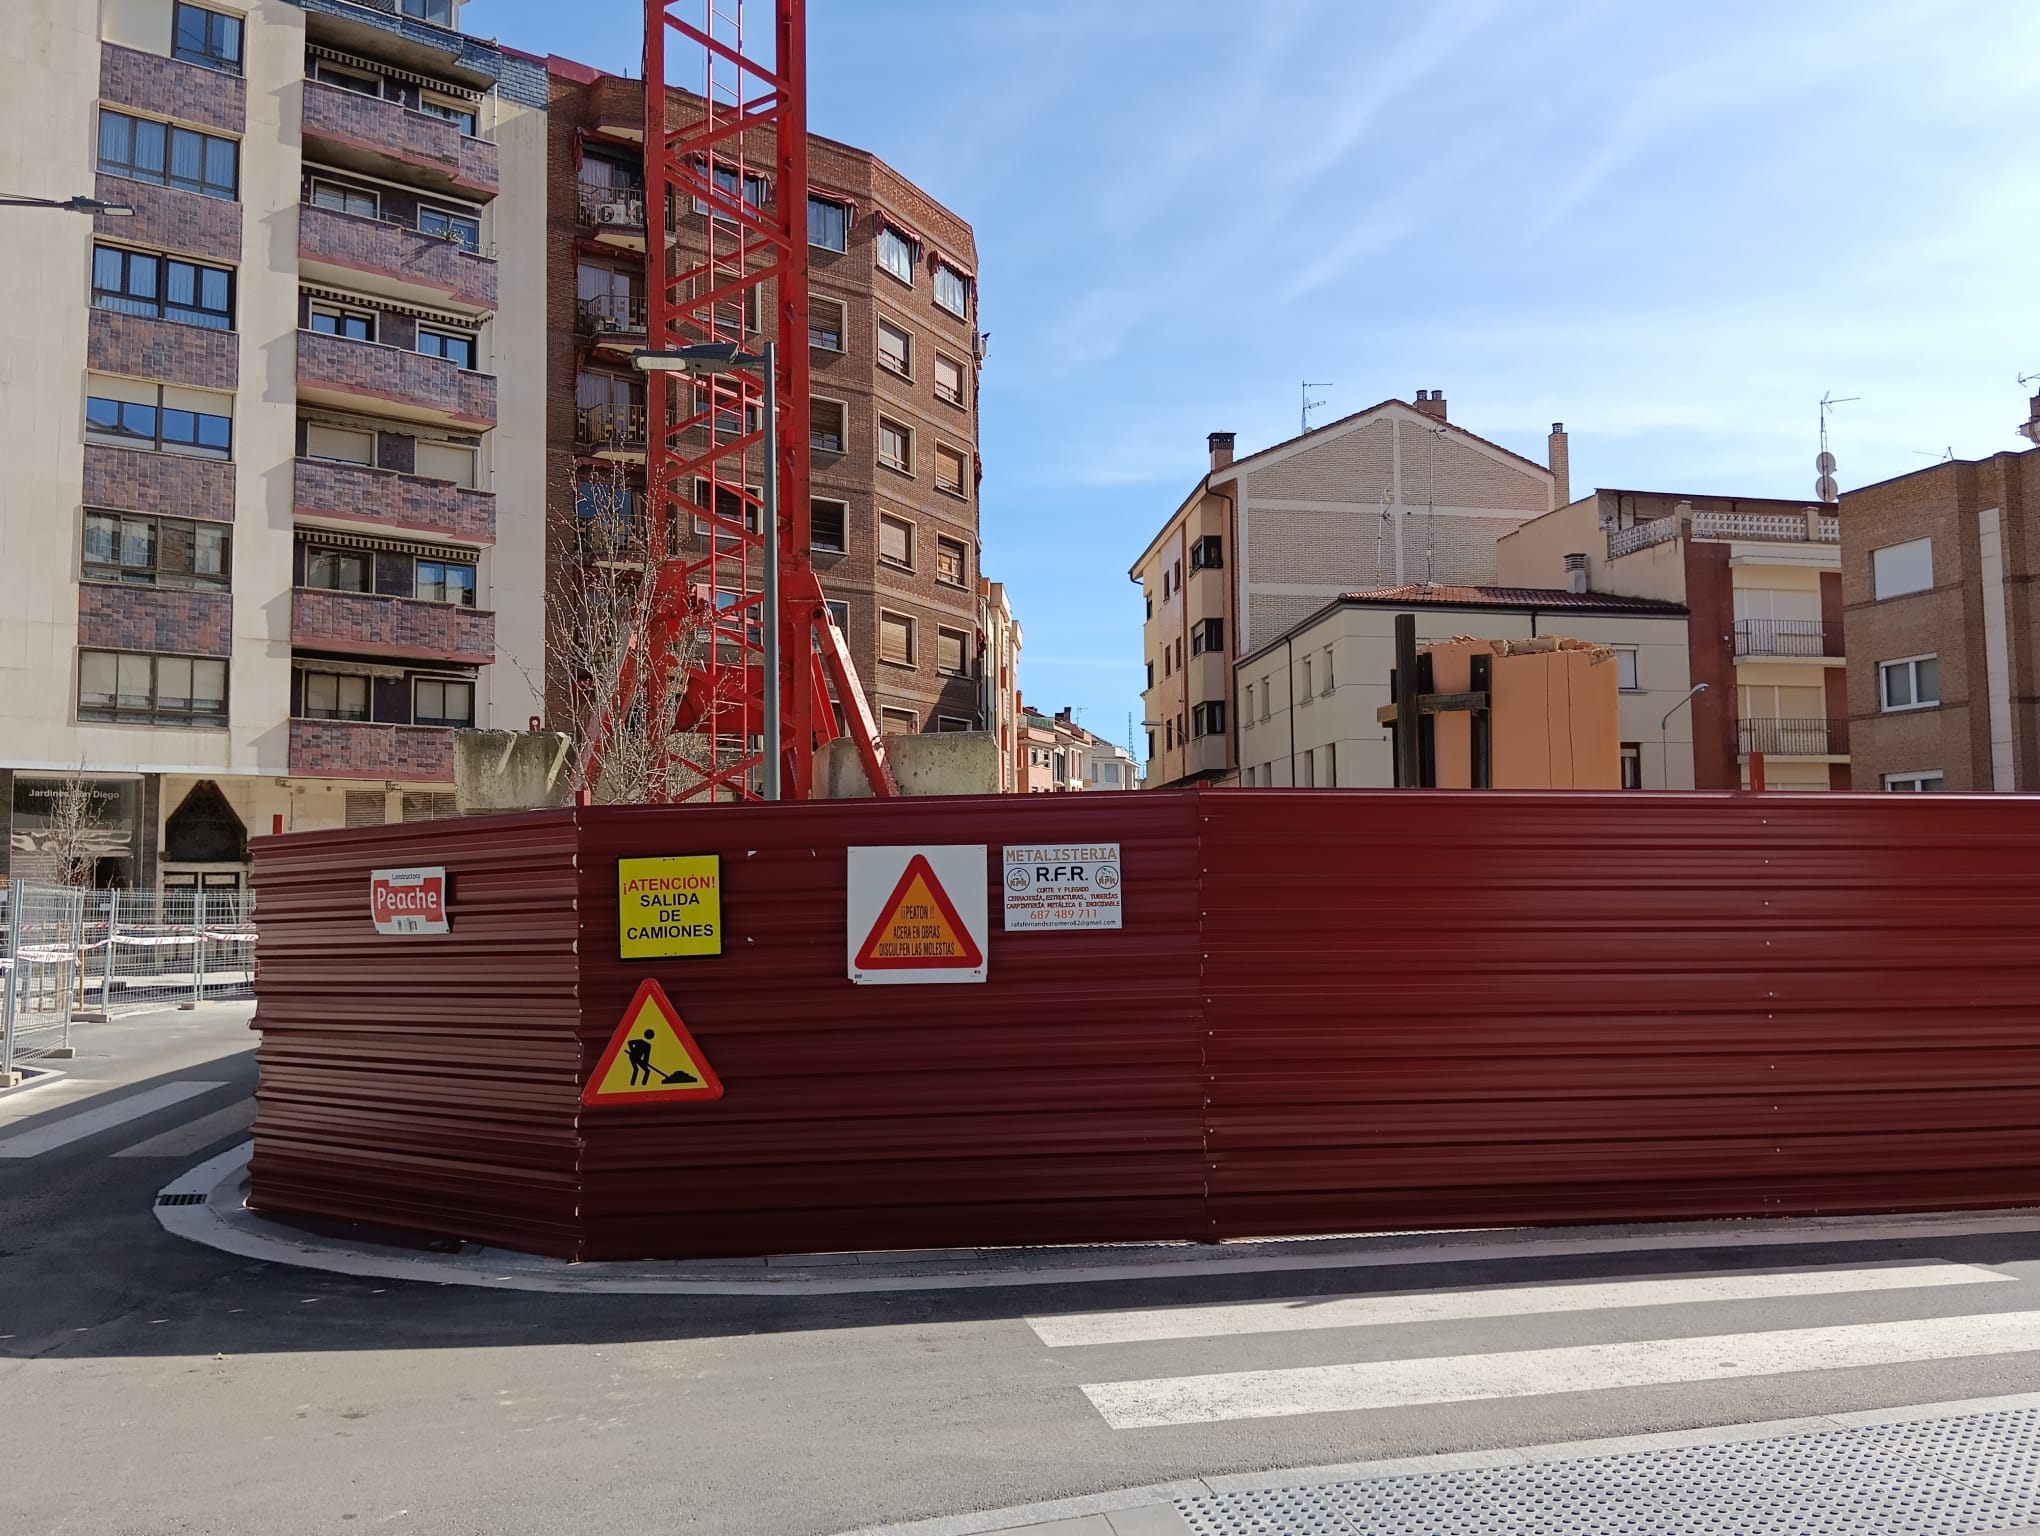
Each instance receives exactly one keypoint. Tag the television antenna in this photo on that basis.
(1826, 487)
(1309, 404)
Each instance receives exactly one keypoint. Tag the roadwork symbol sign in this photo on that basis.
(917, 914)
(651, 1059)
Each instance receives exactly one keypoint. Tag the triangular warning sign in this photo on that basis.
(651, 1059)
(918, 928)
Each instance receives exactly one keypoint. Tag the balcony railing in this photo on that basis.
(603, 206)
(431, 385)
(441, 265)
(1793, 738)
(1783, 527)
(1627, 541)
(361, 749)
(1786, 637)
(368, 623)
(370, 134)
(610, 314)
(610, 426)
(411, 503)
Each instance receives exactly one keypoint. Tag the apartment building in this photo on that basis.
(1000, 678)
(1310, 697)
(1058, 756)
(1391, 495)
(1938, 574)
(1761, 579)
(894, 350)
(267, 435)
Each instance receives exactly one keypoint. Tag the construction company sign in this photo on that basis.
(1058, 885)
(917, 914)
(408, 900)
(669, 906)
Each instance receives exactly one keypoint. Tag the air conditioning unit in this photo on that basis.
(629, 215)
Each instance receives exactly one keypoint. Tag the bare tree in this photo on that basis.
(72, 840)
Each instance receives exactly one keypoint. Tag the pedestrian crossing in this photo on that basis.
(45, 1128)
(1353, 1325)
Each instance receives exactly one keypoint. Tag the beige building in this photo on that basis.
(1761, 579)
(1058, 756)
(275, 440)
(1310, 697)
(1391, 495)
(999, 676)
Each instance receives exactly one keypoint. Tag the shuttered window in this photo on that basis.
(896, 541)
(895, 638)
(951, 647)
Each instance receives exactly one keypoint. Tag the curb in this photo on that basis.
(207, 1205)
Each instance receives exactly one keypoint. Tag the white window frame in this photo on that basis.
(1912, 781)
(1912, 666)
(323, 426)
(842, 418)
(913, 249)
(895, 714)
(913, 538)
(842, 346)
(830, 549)
(964, 282)
(1635, 683)
(962, 379)
(963, 657)
(375, 198)
(962, 582)
(849, 220)
(1894, 559)
(963, 473)
(839, 610)
(880, 323)
(878, 449)
(474, 695)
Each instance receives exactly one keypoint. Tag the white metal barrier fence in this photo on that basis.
(40, 931)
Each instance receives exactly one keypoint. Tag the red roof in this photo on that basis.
(1513, 597)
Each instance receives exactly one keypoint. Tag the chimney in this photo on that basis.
(1432, 403)
(1576, 573)
(1559, 457)
(1220, 444)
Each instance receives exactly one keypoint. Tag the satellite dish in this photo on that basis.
(1825, 487)
(1825, 463)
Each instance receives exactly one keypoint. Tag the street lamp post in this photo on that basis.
(723, 357)
(1664, 749)
(70, 205)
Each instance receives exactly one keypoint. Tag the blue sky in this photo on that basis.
(1672, 228)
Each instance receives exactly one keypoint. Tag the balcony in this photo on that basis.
(368, 624)
(131, 480)
(1793, 738)
(610, 431)
(395, 260)
(360, 749)
(615, 215)
(388, 139)
(611, 321)
(1811, 527)
(169, 219)
(142, 347)
(1787, 637)
(397, 503)
(340, 371)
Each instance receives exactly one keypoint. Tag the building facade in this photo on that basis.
(1310, 697)
(1939, 574)
(894, 350)
(274, 438)
(1762, 581)
(1001, 677)
(1058, 756)
(1393, 494)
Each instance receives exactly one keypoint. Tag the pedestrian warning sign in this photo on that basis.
(917, 914)
(651, 1059)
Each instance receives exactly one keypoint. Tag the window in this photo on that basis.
(439, 701)
(1165, 584)
(742, 508)
(827, 521)
(895, 638)
(156, 552)
(1168, 660)
(952, 469)
(355, 324)
(952, 562)
(825, 325)
(828, 224)
(1625, 668)
(1914, 782)
(455, 348)
(1178, 571)
(143, 149)
(952, 289)
(199, 36)
(896, 254)
(1150, 675)
(1328, 669)
(1914, 683)
(895, 349)
(456, 113)
(329, 194)
(897, 722)
(952, 650)
(1266, 694)
(1309, 779)
(1247, 777)
(339, 570)
(896, 541)
(438, 12)
(1207, 635)
(755, 187)
(161, 287)
(1207, 553)
(151, 690)
(840, 612)
(1059, 769)
(1306, 693)
(895, 445)
(329, 73)
(1246, 713)
(171, 424)
(445, 581)
(948, 379)
(1898, 569)
(1169, 734)
(339, 445)
(463, 229)
(953, 723)
(445, 461)
(328, 696)
(826, 425)
(1208, 719)
(1632, 765)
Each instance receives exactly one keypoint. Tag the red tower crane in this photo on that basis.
(726, 235)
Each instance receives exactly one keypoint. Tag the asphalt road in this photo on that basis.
(152, 1386)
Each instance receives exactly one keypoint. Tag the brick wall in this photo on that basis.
(387, 499)
(142, 348)
(412, 138)
(170, 218)
(1710, 650)
(351, 749)
(164, 87)
(128, 480)
(362, 244)
(122, 618)
(390, 373)
(365, 624)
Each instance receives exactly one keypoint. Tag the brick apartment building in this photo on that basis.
(894, 349)
(1938, 574)
(1761, 581)
(272, 523)
(1058, 756)
(1392, 495)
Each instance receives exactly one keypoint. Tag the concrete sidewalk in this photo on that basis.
(1947, 1469)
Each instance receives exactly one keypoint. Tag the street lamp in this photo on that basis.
(1664, 752)
(70, 205)
(725, 357)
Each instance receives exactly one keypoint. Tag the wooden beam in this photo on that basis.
(1436, 704)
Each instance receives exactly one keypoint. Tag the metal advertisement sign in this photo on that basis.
(408, 900)
(1062, 885)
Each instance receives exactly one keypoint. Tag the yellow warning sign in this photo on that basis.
(918, 928)
(669, 906)
(651, 1059)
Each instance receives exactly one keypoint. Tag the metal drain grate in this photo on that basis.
(1940, 1477)
(180, 1199)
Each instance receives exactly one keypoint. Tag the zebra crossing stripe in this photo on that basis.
(47, 1137)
